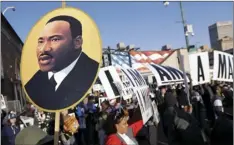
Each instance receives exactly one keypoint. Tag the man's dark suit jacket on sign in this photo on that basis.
(72, 88)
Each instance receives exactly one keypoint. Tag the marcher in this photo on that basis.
(180, 127)
(10, 130)
(68, 129)
(117, 129)
(222, 133)
(105, 110)
(82, 134)
(91, 121)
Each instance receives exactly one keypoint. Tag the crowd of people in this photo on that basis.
(204, 119)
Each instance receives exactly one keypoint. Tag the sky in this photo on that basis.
(148, 25)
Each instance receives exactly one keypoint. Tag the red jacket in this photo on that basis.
(114, 140)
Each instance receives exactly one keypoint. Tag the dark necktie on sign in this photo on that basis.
(53, 82)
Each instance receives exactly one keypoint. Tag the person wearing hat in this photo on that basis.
(222, 129)
(10, 130)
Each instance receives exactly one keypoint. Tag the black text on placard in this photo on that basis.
(176, 74)
(225, 67)
(200, 72)
(137, 77)
(113, 86)
(230, 68)
(163, 74)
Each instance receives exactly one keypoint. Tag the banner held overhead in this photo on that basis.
(199, 68)
(166, 75)
(223, 67)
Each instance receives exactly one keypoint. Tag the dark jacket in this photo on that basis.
(199, 111)
(207, 100)
(70, 91)
(8, 134)
(222, 133)
(181, 128)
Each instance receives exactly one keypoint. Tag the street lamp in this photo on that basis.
(7, 8)
(181, 57)
(166, 3)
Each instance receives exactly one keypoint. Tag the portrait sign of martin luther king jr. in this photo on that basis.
(68, 54)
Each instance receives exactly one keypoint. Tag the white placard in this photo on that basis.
(100, 100)
(156, 113)
(141, 91)
(108, 76)
(166, 75)
(223, 67)
(125, 89)
(97, 87)
(199, 68)
(115, 84)
(3, 102)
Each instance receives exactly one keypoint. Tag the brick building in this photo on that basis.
(11, 48)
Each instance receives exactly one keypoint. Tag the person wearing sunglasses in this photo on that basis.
(117, 129)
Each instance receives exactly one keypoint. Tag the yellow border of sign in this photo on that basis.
(100, 59)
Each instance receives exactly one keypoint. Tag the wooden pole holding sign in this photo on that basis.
(63, 3)
(56, 128)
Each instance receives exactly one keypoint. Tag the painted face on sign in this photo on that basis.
(56, 48)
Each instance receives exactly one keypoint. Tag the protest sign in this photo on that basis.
(115, 83)
(108, 76)
(166, 75)
(3, 102)
(199, 68)
(56, 75)
(100, 100)
(63, 76)
(97, 87)
(141, 91)
(125, 88)
(156, 113)
(223, 67)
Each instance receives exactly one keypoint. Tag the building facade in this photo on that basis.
(225, 43)
(11, 48)
(173, 60)
(218, 31)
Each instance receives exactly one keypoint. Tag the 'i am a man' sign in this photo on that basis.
(166, 75)
(223, 67)
(199, 68)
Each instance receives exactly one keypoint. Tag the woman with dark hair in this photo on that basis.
(117, 130)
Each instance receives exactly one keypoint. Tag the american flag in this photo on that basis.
(140, 57)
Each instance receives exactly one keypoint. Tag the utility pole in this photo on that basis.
(166, 3)
(129, 58)
(184, 25)
(180, 56)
